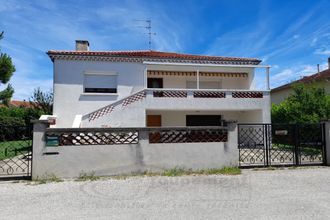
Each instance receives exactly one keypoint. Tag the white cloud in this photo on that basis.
(294, 73)
(322, 51)
(296, 36)
(313, 43)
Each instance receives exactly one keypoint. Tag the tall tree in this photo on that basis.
(7, 69)
(42, 101)
(307, 104)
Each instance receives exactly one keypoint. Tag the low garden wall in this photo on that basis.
(72, 152)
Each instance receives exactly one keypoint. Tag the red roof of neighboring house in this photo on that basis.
(324, 75)
(16, 103)
(152, 54)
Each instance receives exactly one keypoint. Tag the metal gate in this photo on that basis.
(15, 152)
(281, 144)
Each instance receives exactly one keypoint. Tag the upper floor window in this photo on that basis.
(100, 82)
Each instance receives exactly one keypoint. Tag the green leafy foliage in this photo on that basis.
(6, 94)
(307, 104)
(42, 101)
(13, 116)
(7, 69)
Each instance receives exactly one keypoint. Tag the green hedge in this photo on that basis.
(15, 123)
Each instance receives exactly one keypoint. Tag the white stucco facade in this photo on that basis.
(72, 103)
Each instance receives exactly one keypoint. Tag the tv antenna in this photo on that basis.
(149, 31)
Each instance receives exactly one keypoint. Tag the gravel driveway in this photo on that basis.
(280, 194)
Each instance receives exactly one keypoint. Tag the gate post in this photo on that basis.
(39, 128)
(327, 141)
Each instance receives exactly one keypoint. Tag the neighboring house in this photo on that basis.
(16, 103)
(321, 79)
(152, 88)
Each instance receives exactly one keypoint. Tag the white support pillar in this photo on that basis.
(197, 74)
(267, 78)
(145, 77)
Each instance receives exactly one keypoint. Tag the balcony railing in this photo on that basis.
(204, 93)
(176, 93)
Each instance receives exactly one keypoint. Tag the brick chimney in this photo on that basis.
(82, 45)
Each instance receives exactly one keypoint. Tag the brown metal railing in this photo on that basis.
(115, 136)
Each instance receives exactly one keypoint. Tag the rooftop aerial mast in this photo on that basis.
(149, 31)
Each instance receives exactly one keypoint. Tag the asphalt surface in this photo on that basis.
(280, 194)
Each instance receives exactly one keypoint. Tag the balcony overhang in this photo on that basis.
(197, 68)
(203, 65)
(152, 73)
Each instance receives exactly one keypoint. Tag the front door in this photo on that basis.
(154, 120)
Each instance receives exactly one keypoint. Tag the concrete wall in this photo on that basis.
(280, 95)
(178, 118)
(69, 97)
(327, 141)
(71, 161)
(178, 82)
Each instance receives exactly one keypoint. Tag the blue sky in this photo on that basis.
(291, 36)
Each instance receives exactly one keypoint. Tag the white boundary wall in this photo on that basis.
(71, 161)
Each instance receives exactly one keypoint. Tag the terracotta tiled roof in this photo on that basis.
(324, 75)
(16, 103)
(143, 55)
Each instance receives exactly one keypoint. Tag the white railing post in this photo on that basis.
(197, 82)
(190, 94)
(229, 94)
(267, 78)
(145, 75)
(149, 94)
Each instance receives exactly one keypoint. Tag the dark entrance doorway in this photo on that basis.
(203, 120)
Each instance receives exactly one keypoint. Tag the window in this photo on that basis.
(100, 83)
(155, 82)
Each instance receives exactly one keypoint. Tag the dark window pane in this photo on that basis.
(101, 90)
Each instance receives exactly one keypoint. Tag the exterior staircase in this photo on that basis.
(101, 116)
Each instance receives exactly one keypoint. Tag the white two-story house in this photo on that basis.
(152, 88)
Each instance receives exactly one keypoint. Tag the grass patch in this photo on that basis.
(176, 171)
(223, 171)
(87, 177)
(7, 148)
(47, 178)
(215, 171)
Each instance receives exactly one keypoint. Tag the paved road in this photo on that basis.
(280, 194)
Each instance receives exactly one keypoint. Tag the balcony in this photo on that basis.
(206, 99)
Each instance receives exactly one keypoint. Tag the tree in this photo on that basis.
(6, 71)
(307, 104)
(42, 101)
